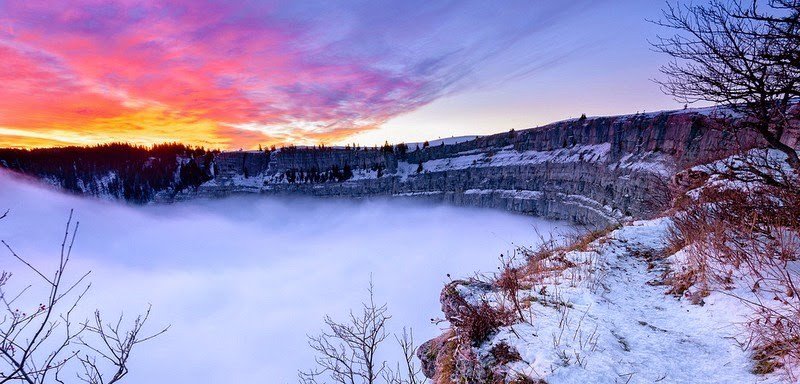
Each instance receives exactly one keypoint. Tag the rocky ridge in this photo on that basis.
(590, 170)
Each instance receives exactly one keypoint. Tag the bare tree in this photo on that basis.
(347, 352)
(39, 345)
(407, 371)
(736, 54)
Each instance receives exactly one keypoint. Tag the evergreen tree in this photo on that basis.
(401, 149)
(347, 173)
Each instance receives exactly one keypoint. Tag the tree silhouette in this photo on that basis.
(740, 55)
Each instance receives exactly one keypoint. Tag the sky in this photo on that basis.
(232, 75)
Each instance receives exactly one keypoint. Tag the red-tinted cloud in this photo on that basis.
(225, 74)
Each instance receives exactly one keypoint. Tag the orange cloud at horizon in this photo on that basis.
(181, 75)
(43, 104)
(235, 75)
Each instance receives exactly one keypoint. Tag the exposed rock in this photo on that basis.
(431, 351)
(593, 171)
(459, 293)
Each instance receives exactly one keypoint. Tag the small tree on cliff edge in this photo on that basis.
(46, 344)
(348, 351)
(741, 55)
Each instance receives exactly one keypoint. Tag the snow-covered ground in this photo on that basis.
(445, 141)
(603, 322)
(654, 163)
(243, 280)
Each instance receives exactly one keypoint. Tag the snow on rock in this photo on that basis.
(445, 141)
(652, 163)
(507, 193)
(509, 156)
(604, 320)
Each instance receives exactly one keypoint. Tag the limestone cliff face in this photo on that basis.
(593, 171)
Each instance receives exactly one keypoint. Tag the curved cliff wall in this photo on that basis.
(593, 171)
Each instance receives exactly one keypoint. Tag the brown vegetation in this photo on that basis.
(474, 323)
(738, 231)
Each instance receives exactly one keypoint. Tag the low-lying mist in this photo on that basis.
(243, 280)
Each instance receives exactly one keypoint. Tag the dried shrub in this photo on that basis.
(504, 354)
(522, 379)
(511, 280)
(743, 228)
(547, 260)
(476, 323)
(580, 240)
(675, 241)
(771, 355)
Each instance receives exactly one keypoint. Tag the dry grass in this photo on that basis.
(771, 355)
(502, 353)
(581, 241)
(474, 323)
(520, 271)
(747, 236)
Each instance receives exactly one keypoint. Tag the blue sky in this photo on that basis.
(242, 74)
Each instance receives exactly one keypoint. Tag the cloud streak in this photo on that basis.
(230, 74)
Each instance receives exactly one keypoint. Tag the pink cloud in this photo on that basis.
(262, 63)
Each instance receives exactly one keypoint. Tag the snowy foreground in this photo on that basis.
(607, 320)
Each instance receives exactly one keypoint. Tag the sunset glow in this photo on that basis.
(231, 76)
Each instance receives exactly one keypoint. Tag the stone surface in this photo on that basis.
(593, 171)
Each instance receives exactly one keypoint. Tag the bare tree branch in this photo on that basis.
(735, 54)
(38, 344)
(346, 352)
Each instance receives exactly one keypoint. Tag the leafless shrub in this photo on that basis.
(675, 241)
(502, 353)
(39, 345)
(407, 372)
(347, 352)
(741, 230)
(117, 344)
(510, 281)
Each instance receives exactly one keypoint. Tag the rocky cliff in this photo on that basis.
(588, 170)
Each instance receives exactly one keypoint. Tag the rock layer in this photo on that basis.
(591, 171)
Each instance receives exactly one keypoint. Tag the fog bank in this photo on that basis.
(243, 280)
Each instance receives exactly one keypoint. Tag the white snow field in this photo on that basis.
(242, 281)
(601, 322)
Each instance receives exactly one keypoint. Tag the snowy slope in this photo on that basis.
(606, 320)
(445, 141)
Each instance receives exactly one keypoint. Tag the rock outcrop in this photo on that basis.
(592, 171)
(589, 170)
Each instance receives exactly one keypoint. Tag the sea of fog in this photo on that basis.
(243, 280)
